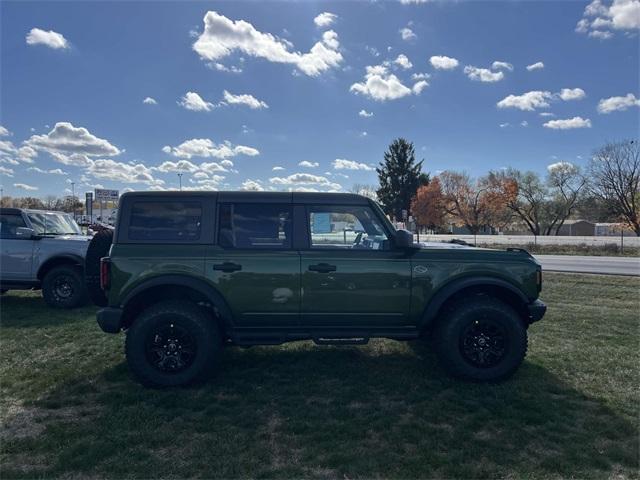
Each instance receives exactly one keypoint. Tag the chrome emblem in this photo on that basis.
(420, 269)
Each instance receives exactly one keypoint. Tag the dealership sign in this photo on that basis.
(104, 194)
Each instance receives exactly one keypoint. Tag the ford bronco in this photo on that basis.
(43, 249)
(190, 272)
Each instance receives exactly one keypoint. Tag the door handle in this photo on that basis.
(322, 268)
(227, 267)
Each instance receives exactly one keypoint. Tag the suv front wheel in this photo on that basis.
(481, 339)
(172, 343)
(63, 287)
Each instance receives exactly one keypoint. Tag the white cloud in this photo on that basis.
(380, 85)
(53, 171)
(407, 34)
(420, 76)
(413, 2)
(204, 147)
(612, 104)
(307, 164)
(546, 114)
(403, 61)
(568, 94)
(568, 124)
(602, 35)
(24, 186)
(252, 185)
(193, 101)
(12, 155)
(4, 132)
(49, 38)
(535, 66)
(298, 179)
(150, 101)
(222, 36)
(325, 19)
(497, 65)
(8, 172)
(244, 99)
(483, 74)
(277, 168)
(524, 123)
(622, 15)
(504, 125)
(560, 166)
(223, 68)
(527, 101)
(442, 62)
(179, 166)
(364, 113)
(419, 86)
(343, 164)
(108, 169)
(65, 139)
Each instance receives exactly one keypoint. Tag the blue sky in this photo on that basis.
(75, 77)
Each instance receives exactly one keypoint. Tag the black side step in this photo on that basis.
(341, 340)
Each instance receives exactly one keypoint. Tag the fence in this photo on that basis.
(539, 240)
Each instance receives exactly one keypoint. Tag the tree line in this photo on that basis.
(607, 190)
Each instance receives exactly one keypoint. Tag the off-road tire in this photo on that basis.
(185, 315)
(449, 335)
(98, 248)
(55, 285)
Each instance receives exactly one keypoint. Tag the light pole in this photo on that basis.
(180, 178)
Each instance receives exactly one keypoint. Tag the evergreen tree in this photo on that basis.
(400, 176)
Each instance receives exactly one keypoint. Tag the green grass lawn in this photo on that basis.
(69, 408)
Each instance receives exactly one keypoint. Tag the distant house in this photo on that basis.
(611, 230)
(577, 228)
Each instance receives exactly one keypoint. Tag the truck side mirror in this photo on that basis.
(403, 239)
(25, 233)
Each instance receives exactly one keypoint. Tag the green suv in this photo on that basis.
(190, 272)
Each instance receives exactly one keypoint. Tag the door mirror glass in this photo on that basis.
(25, 233)
(403, 239)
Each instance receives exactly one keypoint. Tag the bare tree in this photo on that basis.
(614, 173)
(368, 191)
(567, 184)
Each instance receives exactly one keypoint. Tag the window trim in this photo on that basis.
(289, 248)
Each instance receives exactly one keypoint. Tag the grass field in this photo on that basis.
(69, 408)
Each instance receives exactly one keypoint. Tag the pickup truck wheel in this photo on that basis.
(63, 287)
(481, 339)
(172, 343)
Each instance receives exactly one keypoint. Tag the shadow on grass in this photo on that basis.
(300, 410)
(29, 310)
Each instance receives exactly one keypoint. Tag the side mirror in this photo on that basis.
(25, 233)
(403, 239)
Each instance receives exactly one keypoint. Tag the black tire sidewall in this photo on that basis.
(449, 334)
(200, 327)
(74, 276)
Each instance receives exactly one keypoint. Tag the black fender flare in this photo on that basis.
(61, 258)
(200, 286)
(448, 290)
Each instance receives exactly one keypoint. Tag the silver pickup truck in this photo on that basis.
(43, 249)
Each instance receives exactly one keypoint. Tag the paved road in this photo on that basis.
(590, 264)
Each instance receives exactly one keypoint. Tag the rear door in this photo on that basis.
(254, 265)
(351, 275)
(16, 254)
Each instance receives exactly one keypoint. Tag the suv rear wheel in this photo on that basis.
(481, 339)
(63, 287)
(172, 343)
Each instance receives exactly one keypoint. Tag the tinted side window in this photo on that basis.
(9, 224)
(168, 221)
(248, 225)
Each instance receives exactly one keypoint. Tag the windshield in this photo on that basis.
(53, 223)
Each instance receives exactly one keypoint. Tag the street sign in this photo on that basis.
(104, 194)
(88, 203)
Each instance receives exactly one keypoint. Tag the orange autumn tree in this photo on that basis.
(427, 206)
(474, 204)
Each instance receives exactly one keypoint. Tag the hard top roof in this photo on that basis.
(261, 197)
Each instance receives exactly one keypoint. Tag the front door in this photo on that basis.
(351, 275)
(254, 265)
(16, 253)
